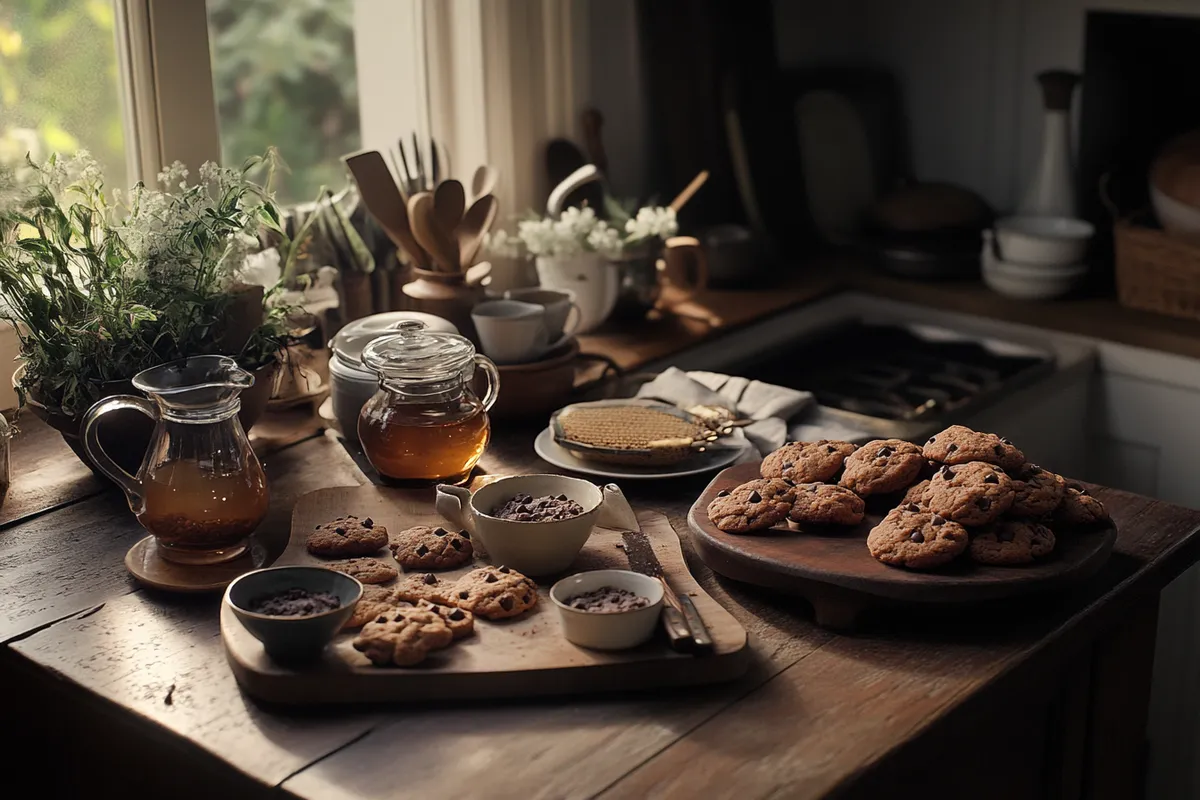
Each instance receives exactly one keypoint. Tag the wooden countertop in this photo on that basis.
(130, 687)
(632, 344)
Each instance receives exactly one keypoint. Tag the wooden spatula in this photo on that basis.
(441, 245)
(449, 203)
(383, 201)
(475, 225)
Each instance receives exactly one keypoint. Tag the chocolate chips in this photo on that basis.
(456, 615)
(430, 579)
(456, 544)
(722, 493)
(368, 523)
(917, 537)
(830, 448)
(913, 507)
(755, 497)
(947, 472)
(525, 508)
(340, 531)
(991, 477)
(984, 503)
(885, 451)
(951, 448)
(422, 550)
(506, 602)
(295, 602)
(503, 569)
(606, 600)
(931, 440)
(788, 465)
(998, 449)
(440, 532)
(937, 521)
(490, 578)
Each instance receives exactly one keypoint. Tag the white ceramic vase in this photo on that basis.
(594, 280)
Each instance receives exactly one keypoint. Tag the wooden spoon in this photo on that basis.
(449, 203)
(483, 182)
(442, 246)
(681, 199)
(475, 225)
(382, 199)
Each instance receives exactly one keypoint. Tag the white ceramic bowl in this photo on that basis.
(1178, 219)
(290, 639)
(1026, 282)
(1043, 240)
(616, 630)
(534, 548)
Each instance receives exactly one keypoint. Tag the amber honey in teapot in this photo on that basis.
(425, 425)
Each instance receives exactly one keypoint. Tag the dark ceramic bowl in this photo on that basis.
(290, 639)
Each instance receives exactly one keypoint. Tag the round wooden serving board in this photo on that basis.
(832, 569)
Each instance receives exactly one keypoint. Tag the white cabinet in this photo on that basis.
(1144, 437)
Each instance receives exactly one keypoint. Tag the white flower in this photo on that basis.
(501, 245)
(605, 240)
(651, 222)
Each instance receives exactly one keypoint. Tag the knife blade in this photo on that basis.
(642, 559)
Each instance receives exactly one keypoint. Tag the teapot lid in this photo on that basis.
(416, 354)
(349, 342)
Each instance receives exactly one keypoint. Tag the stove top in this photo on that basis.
(900, 372)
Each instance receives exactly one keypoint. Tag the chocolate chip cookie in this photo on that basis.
(347, 536)
(375, 600)
(494, 593)
(460, 621)
(917, 494)
(970, 494)
(826, 504)
(807, 462)
(366, 570)
(959, 445)
(1036, 491)
(423, 547)
(403, 637)
(1078, 508)
(916, 539)
(423, 586)
(753, 506)
(882, 466)
(1011, 541)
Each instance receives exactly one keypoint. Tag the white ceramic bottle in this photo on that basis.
(1051, 192)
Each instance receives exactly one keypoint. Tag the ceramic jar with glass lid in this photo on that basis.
(352, 384)
(425, 424)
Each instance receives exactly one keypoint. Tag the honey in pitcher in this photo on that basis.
(200, 517)
(423, 444)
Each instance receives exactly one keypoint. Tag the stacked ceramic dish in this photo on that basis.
(1035, 258)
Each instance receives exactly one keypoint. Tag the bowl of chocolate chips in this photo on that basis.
(608, 609)
(536, 524)
(294, 611)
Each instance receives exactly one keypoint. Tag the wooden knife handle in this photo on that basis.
(678, 633)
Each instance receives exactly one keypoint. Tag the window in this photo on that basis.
(59, 82)
(284, 75)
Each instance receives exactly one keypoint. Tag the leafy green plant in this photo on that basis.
(99, 290)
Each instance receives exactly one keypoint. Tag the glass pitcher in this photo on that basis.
(425, 425)
(200, 489)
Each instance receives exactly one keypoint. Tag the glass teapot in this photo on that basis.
(426, 425)
(200, 489)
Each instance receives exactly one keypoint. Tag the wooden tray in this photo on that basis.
(833, 570)
(527, 656)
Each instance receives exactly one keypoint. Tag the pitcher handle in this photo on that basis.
(91, 443)
(493, 379)
(454, 503)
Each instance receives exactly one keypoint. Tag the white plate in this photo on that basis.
(545, 446)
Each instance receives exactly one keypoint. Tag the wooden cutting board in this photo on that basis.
(526, 656)
(833, 570)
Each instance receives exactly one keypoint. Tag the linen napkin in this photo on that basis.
(770, 406)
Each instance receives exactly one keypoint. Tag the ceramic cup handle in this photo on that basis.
(454, 503)
(493, 379)
(91, 443)
(576, 314)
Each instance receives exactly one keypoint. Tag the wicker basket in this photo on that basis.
(1156, 271)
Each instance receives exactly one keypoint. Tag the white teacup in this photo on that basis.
(559, 305)
(513, 332)
(534, 548)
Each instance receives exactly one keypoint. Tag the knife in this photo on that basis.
(680, 618)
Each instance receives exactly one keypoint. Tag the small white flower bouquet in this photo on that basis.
(579, 230)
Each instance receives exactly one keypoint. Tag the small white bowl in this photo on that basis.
(1024, 282)
(1043, 240)
(616, 630)
(1179, 219)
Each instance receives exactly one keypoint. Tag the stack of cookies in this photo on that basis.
(965, 492)
(403, 619)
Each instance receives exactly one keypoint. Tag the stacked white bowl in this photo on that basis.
(1035, 258)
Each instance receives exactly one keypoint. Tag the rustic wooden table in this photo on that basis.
(128, 690)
